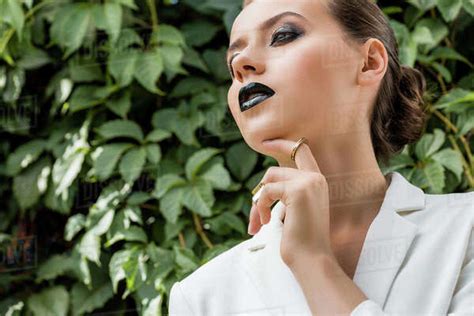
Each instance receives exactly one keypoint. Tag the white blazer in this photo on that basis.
(417, 259)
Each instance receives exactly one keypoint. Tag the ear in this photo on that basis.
(374, 62)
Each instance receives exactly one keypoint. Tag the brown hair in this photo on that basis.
(398, 116)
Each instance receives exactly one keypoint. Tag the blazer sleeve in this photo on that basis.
(462, 302)
(177, 302)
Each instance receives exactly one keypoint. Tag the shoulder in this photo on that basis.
(461, 204)
(448, 217)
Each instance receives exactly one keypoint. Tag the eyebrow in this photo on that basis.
(264, 26)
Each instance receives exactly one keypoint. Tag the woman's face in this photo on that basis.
(304, 58)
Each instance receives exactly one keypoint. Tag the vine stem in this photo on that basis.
(464, 162)
(154, 17)
(201, 232)
(181, 240)
(455, 130)
(467, 166)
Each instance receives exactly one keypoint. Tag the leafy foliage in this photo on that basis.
(122, 168)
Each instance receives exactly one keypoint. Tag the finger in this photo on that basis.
(304, 158)
(271, 192)
(254, 220)
(277, 174)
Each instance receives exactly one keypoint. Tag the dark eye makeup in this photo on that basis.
(284, 34)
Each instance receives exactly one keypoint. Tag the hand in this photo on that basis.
(304, 192)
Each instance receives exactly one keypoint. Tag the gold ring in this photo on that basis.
(295, 148)
(255, 190)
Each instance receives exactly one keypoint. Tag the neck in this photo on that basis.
(356, 184)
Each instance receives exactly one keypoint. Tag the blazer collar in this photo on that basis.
(387, 242)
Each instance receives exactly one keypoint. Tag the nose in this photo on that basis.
(245, 65)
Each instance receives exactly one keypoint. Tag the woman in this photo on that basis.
(317, 85)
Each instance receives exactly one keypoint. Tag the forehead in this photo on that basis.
(261, 10)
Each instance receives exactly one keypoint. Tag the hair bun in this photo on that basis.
(406, 125)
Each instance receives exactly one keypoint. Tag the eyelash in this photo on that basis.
(293, 35)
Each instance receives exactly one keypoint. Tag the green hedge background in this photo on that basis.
(122, 170)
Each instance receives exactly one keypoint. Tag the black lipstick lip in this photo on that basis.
(253, 87)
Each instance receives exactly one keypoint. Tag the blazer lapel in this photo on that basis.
(386, 245)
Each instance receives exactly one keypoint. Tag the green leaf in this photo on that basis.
(172, 57)
(429, 144)
(132, 163)
(185, 258)
(423, 4)
(82, 70)
(124, 265)
(148, 69)
(216, 174)
(182, 121)
(33, 58)
(55, 266)
(199, 197)
(60, 203)
(121, 105)
(468, 5)
(53, 301)
(448, 53)
(189, 86)
(104, 223)
(465, 123)
(70, 26)
(24, 155)
(87, 96)
(133, 233)
(68, 166)
(193, 58)
(409, 52)
(165, 183)
(198, 159)
(113, 19)
(437, 29)
(168, 34)
(137, 198)
(153, 153)
(116, 271)
(121, 65)
(89, 247)
(229, 220)
(157, 135)
(128, 3)
(109, 198)
(457, 100)
(216, 61)
(31, 183)
(449, 9)
(443, 71)
(120, 128)
(105, 158)
(74, 225)
(84, 300)
(451, 160)
(434, 174)
(170, 204)
(133, 213)
(400, 161)
(422, 35)
(198, 33)
(241, 160)
(13, 15)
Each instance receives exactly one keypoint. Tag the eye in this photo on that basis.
(284, 36)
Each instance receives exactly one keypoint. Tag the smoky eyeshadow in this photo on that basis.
(289, 27)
